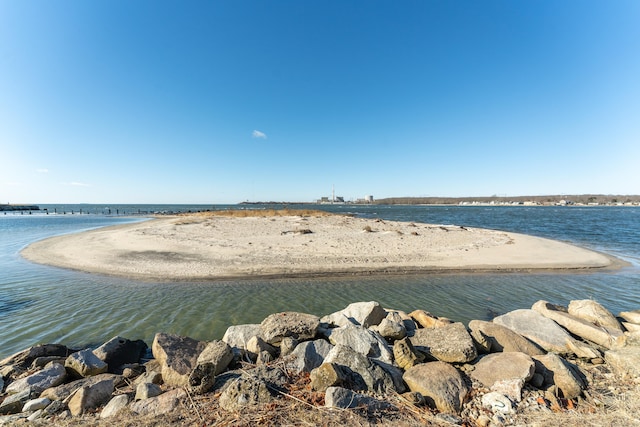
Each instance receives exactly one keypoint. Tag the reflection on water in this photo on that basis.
(45, 304)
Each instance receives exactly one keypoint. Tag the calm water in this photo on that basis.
(44, 304)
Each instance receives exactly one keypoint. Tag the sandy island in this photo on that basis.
(208, 246)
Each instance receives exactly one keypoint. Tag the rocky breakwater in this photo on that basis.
(383, 363)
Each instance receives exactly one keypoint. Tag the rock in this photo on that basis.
(338, 397)
(631, 327)
(544, 332)
(115, 405)
(149, 377)
(13, 403)
(405, 355)
(498, 403)
(557, 371)
(163, 404)
(35, 415)
(132, 370)
(327, 375)
(177, 357)
(147, 391)
(51, 376)
(25, 358)
(257, 345)
(391, 327)
(287, 345)
(440, 383)
(624, 361)
(511, 388)
(578, 326)
(308, 355)
(362, 340)
(428, 320)
(491, 337)
(629, 316)
(362, 374)
(41, 362)
(1, 384)
(254, 387)
(364, 314)
(85, 364)
(449, 343)
(594, 313)
(91, 397)
(63, 391)
(35, 404)
(213, 360)
(300, 326)
(237, 336)
(503, 366)
(120, 351)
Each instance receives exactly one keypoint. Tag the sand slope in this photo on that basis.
(202, 247)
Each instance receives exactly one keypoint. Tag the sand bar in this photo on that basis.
(223, 247)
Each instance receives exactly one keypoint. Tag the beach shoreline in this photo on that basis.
(209, 247)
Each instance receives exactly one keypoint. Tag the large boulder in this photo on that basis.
(358, 313)
(405, 354)
(544, 332)
(496, 367)
(392, 327)
(624, 361)
(428, 320)
(339, 397)
(213, 360)
(63, 391)
(440, 383)
(557, 371)
(115, 405)
(492, 338)
(595, 313)
(91, 397)
(177, 357)
(308, 355)
(362, 340)
(159, 405)
(14, 403)
(85, 364)
(120, 351)
(237, 336)
(254, 387)
(580, 327)
(362, 373)
(25, 358)
(628, 316)
(448, 343)
(300, 326)
(51, 376)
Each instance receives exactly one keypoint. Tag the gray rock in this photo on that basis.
(362, 340)
(244, 392)
(391, 327)
(557, 371)
(35, 404)
(629, 316)
(338, 397)
(503, 366)
(624, 361)
(580, 327)
(300, 326)
(147, 391)
(511, 388)
(177, 357)
(358, 313)
(257, 345)
(51, 376)
(149, 377)
(25, 358)
(593, 312)
(85, 364)
(115, 405)
(491, 337)
(91, 397)
(361, 372)
(328, 375)
(448, 343)
(35, 415)
(63, 391)
(544, 332)
(120, 351)
(163, 404)
(13, 403)
(213, 360)
(308, 355)
(498, 403)
(440, 383)
(287, 345)
(237, 336)
(1, 384)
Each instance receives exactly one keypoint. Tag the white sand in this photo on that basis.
(200, 247)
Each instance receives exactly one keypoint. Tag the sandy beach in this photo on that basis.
(206, 247)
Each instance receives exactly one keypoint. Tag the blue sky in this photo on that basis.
(226, 101)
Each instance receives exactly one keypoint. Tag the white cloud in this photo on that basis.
(79, 184)
(42, 170)
(258, 134)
